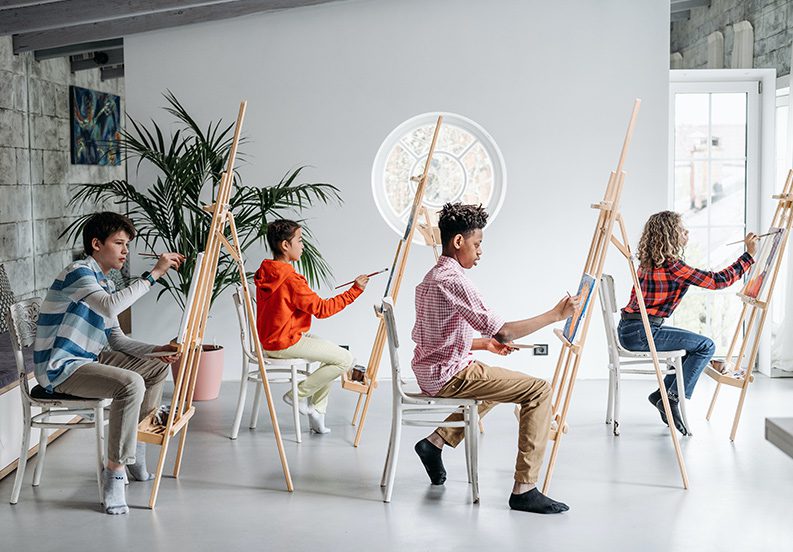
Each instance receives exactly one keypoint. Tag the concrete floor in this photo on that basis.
(624, 492)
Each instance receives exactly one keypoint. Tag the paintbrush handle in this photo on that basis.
(760, 236)
(368, 276)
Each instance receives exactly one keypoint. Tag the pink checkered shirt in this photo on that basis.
(449, 309)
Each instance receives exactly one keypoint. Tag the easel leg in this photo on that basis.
(713, 400)
(363, 416)
(738, 410)
(357, 409)
(155, 487)
(177, 465)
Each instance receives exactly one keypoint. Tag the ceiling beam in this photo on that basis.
(116, 28)
(65, 13)
(684, 5)
(11, 4)
(78, 48)
(111, 57)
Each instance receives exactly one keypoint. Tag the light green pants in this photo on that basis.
(334, 361)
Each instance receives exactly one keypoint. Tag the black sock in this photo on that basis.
(431, 458)
(676, 417)
(536, 502)
(654, 397)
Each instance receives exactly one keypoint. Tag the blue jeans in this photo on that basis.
(699, 349)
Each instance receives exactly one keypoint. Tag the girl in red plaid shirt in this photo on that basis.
(664, 279)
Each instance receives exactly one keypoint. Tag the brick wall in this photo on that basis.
(772, 21)
(35, 168)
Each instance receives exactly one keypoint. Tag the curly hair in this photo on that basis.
(662, 239)
(456, 218)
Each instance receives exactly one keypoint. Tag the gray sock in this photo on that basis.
(113, 496)
(138, 470)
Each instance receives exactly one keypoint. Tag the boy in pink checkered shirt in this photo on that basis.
(449, 310)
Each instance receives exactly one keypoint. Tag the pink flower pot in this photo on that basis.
(210, 373)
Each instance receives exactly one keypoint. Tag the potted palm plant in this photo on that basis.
(169, 216)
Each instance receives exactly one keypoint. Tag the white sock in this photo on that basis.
(113, 493)
(316, 422)
(302, 404)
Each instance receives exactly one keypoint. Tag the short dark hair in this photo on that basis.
(278, 231)
(103, 225)
(456, 218)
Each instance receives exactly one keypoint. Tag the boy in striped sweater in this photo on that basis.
(81, 351)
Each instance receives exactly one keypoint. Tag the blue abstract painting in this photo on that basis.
(96, 131)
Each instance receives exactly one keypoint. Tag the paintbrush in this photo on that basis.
(368, 275)
(760, 236)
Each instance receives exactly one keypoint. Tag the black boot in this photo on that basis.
(673, 406)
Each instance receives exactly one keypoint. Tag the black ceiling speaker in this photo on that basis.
(100, 58)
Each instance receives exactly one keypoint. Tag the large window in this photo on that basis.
(467, 167)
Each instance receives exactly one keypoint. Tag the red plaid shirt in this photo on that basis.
(448, 311)
(663, 287)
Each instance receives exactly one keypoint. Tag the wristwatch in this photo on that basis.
(147, 276)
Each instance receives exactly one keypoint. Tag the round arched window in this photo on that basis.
(467, 167)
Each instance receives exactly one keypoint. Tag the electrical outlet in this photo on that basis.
(541, 350)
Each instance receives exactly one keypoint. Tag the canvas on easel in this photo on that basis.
(222, 233)
(569, 360)
(736, 370)
(585, 288)
(366, 387)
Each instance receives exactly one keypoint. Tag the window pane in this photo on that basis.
(726, 308)
(691, 124)
(728, 125)
(728, 192)
(398, 194)
(721, 254)
(691, 314)
(446, 180)
(696, 252)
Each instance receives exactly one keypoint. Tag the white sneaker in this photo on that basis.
(302, 404)
(316, 422)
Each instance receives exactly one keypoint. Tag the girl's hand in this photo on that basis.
(495, 346)
(751, 240)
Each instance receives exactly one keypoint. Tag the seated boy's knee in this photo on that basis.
(134, 386)
(545, 391)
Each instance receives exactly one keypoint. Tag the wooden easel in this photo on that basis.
(749, 337)
(182, 409)
(366, 387)
(570, 356)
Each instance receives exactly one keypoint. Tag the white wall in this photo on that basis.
(552, 82)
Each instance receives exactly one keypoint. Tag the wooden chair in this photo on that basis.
(22, 320)
(291, 367)
(673, 360)
(418, 409)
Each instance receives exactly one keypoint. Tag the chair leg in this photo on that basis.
(23, 453)
(681, 394)
(616, 420)
(42, 454)
(474, 416)
(468, 430)
(295, 404)
(396, 418)
(235, 427)
(257, 402)
(394, 456)
(99, 421)
(610, 400)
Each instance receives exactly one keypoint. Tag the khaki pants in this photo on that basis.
(498, 385)
(334, 361)
(134, 384)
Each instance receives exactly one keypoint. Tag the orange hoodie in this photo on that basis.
(285, 304)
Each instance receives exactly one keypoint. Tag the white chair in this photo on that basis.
(671, 360)
(417, 409)
(291, 367)
(22, 319)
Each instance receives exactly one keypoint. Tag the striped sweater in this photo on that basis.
(78, 319)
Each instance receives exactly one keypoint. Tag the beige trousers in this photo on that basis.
(494, 385)
(334, 361)
(134, 384)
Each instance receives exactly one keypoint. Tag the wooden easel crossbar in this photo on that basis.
(567, 366)
(753, 313)
(182, 409)
(366, 387)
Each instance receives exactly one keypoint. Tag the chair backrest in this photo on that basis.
(22, 319)
(247, 331)
(387, 310)
(608, 305)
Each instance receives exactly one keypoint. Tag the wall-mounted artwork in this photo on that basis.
(758, 277)
(585, 288)
(95, 127)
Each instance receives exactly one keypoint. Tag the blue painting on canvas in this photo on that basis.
(585, 288)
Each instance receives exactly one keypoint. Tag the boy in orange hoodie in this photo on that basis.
(285, 305)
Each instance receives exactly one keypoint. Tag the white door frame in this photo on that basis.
(760, 152)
